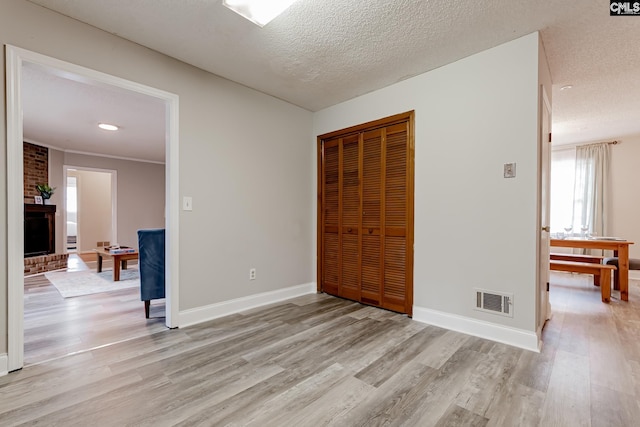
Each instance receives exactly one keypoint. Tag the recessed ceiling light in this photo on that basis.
(107, 126)
(260, 12)
(566, 87)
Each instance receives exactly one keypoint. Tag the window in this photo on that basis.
(563, 168)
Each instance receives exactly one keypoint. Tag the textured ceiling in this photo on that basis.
(322, 52)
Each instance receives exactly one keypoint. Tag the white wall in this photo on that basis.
(94, 209)
(473, 228)
(243, 157)
(624, 219)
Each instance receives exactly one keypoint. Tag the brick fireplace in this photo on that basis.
(39, 220)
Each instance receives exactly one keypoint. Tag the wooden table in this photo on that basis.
(119, 260)
(620, 249)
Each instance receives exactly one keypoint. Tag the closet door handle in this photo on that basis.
(370, 230)
(349, 230)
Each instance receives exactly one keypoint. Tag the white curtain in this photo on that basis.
(590, 189)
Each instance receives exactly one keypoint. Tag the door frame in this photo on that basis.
(543, 309)
(15, 57)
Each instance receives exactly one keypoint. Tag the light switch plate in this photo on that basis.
(187, 203)
(509, 170)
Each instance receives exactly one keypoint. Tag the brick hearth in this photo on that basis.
(43, 263)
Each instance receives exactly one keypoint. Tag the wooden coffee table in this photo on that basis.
(119, 260)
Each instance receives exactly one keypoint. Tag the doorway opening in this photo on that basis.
(16, 58)
(91, 214)
(71, 234)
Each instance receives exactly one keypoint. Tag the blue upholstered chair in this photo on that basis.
(151, 265)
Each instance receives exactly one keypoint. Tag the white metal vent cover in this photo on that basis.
(494, 302)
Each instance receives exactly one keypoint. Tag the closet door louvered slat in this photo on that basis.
(371, 205)
(395, 246)
(350, 196)
(330, 217)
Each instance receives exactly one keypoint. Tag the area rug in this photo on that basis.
(77, 283)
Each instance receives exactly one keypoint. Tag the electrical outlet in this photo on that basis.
(252, 274)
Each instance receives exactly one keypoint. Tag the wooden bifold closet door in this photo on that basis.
(365, 213)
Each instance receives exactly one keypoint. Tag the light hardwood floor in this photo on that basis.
(319, 360)
(56, 326)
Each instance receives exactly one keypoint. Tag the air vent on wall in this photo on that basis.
(494, 302)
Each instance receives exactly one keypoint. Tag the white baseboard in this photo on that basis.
(4, 364)
(527, 340)
(225, 308)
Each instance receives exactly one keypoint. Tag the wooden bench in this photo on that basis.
(595, 259)
(600, 270)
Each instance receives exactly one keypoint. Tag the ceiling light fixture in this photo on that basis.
(566, 87)
(107, 126)
(260, 12)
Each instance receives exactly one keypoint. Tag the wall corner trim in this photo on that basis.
(527, 340)
(4, 364)
(213, 311)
